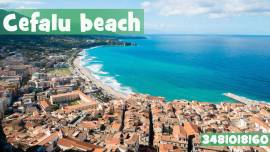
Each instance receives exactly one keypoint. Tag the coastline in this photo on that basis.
(87, 75)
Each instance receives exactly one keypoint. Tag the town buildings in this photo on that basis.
(66, 112)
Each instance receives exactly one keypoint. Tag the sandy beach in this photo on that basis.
(86, 74)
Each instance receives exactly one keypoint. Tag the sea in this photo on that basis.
(191, 67)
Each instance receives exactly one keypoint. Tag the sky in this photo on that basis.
(233, 17)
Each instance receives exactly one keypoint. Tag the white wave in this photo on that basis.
(89, 59)
(82, 62)
(96, 62)
(82, 53)
(113, 83)
(94, 47)
(84, 59)
(96, 69)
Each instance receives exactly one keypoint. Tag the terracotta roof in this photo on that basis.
(165, 147)
(112, 140)
(234, 129)
(191, 129)
(74, 143)
(166, 137)
(260, 122)
(45, 104)
(78, 106)
(179, 132)
(65, 94)
(52, 137)
(116, 126)
(98, 150)
(78, 93)
(264, 112)
(88, 125)
(133, 139)
(86, 98)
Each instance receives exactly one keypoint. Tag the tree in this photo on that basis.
(102, 127)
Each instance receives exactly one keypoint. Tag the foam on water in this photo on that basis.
(96, 68)
(192, 67)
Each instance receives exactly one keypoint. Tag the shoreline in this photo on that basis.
(87, 75)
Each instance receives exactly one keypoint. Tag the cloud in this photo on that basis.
(18, 3)
(146, 5)
(3, 5)
(212, 8)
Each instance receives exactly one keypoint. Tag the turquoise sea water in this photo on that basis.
(186, 66)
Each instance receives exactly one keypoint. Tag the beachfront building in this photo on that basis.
(71, 96)
(85, 102)
(64, 97)
(82, 106)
